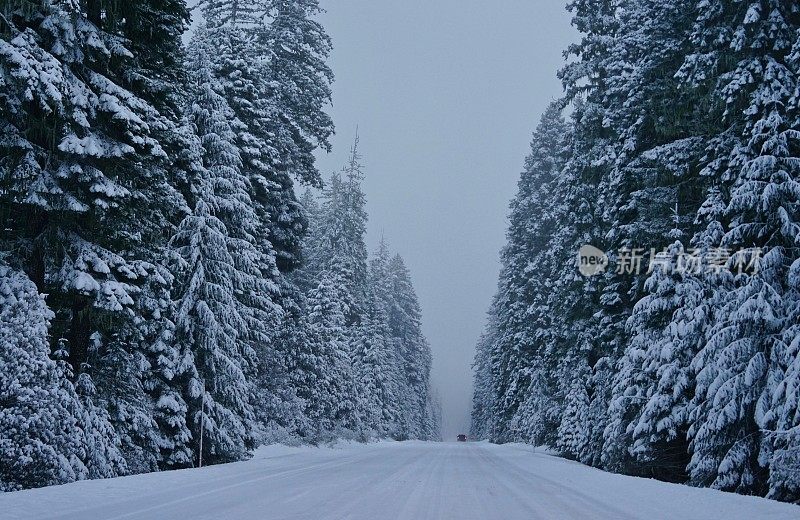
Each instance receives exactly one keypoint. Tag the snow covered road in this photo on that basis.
(408, 480)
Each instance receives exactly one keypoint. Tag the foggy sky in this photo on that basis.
(445, 94)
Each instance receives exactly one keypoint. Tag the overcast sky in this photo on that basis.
(445, 94)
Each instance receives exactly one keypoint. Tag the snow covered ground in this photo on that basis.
(408, 480)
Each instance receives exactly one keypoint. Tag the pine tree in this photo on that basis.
(307, 365)
(43, 421)
(784, 483)
(225, 307)
(481, 416)
(414, 356)
(298, 48)
(753, 160)
(683, 127)
(573, 437)
(335, 281)
(89, 200)
(284, 374)
(334, 400)
(172, 361)
(376, 359)
(591, 335)
(270, 57)
(210, 324)
(341, 247)
(159, 74)
(304, 277)
(365, 347)
(375, 367)
(433, 430)
(522, 309)
(654, 384)
(60, 185)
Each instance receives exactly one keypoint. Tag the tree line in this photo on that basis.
(158, 275)
(678, 134)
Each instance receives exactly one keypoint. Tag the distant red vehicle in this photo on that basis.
(461, 437)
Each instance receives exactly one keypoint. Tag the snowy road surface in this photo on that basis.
(382, 481)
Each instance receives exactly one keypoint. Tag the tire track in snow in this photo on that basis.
(216, 490)
(594, 507)
(382, 495)
(524, 493)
